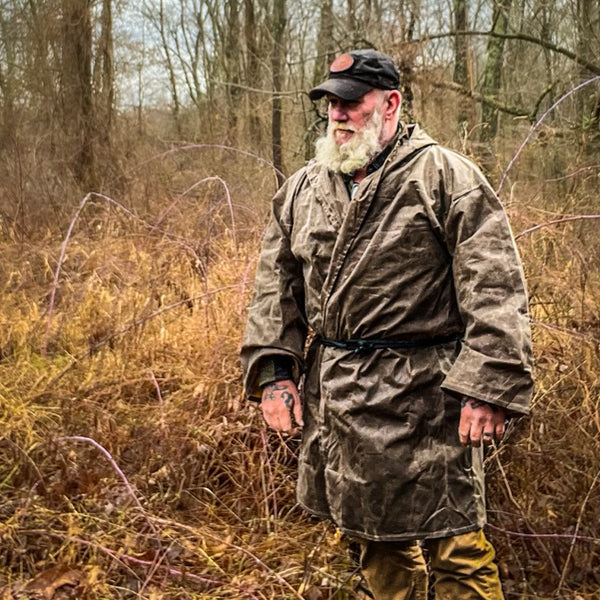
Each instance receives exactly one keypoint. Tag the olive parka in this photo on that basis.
(422, 251)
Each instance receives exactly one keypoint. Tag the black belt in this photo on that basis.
(363, 346)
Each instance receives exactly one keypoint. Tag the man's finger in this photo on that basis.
(499, 431)
(463, 431)
(475, 435)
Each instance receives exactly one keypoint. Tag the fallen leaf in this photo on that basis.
(313, 593)
(45, 584)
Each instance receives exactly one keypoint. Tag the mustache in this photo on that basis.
(334, 126)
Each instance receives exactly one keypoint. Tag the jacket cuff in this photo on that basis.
(504, 383)
(274, 368)
(255, 376)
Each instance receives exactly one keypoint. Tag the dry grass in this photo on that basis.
(544, 486)
(128, 456)
(130, 467)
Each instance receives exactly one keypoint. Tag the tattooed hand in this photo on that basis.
(480, 421)
(280, 402)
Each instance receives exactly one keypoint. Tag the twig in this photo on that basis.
(573, 174)
(505, 479)
(271, 93)
(160, 400)
(136, 323)
(516, 111)
(219, 539)
(61, 257)
(152, 519)
(567, 536)
(125, 558)
(537, 124)
(585, 336)
(594, 68)
(193, 187)
(268, 484)
(577, 526)
(115, 466)
(211, 147)
(516, 504)
(555, 222)
(153, 567)
(65, 242)
(243, 285)
(309, 559)
(186, 575)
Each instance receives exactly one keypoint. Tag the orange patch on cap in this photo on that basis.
(341, 63)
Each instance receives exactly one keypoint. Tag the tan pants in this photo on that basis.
(462, 566)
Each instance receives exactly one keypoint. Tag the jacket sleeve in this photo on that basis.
(277, 323)
(495, 361)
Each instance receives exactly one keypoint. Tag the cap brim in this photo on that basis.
(346, 89)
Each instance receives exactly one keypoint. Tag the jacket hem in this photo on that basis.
(324, 516)
(394, 537)
(406, 537)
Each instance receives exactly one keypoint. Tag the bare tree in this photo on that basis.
(462, 75)
(325, 41)
(252, 69)
(169, 62)
(277, 58)
(76, 86)
(492, 75)
(588, 46)
(104, 83)
(8, 28)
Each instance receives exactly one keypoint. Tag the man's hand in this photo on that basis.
(281, 401)
(480, 421)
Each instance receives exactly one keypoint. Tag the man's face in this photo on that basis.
(347, 118)
(358, 130)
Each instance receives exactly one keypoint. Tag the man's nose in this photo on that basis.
(337, 113)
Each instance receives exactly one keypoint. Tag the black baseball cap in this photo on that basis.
(355, 73)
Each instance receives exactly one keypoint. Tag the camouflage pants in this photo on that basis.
(462, 567)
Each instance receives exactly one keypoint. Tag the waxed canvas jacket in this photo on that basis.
(422, 251)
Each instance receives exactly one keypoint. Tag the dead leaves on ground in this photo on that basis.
(60, 582)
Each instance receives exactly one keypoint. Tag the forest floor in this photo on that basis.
(131, 467)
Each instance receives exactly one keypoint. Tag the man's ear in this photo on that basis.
(394, 100)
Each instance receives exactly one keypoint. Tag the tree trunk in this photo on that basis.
(279, 20)
(325, 55)
(7, 86)
(172, 79)
(77, 97)
(407, 59)
(461, 58)
(352, 27)
(325, 42)
(252, 76)
(232, 68)
(104, 75)
(492, 75)
(588, 102)
(44, 41)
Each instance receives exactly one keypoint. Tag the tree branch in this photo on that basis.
(592, 67)
(463, 91)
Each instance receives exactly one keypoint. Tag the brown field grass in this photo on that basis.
(132, 468)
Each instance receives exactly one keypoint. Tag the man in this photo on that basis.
(396, 255)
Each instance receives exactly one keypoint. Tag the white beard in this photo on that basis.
(356, 153)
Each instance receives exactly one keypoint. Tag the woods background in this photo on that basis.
(140, 144)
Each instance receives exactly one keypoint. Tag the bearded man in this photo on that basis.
(396, 255)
